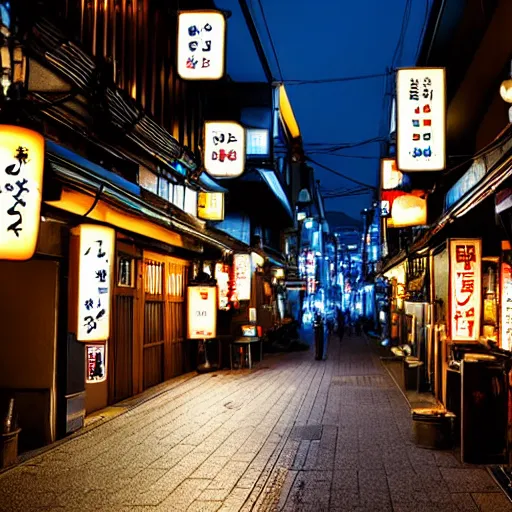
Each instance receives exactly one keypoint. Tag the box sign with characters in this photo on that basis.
(202, 312)
(224, 151)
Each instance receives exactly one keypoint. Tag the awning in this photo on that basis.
(119, 202)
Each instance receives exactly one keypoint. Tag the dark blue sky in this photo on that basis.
(330, 39)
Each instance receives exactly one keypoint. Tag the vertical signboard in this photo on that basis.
(243, 268)
(224, 149)
(95, 265)
(506, 305)
(201, 45)
(202, 312)
(465, 289)
(421, 119)
(96, 364)
(21, 179)
(222, 278)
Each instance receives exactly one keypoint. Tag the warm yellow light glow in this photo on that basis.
(201, 45)
(408, 210)
(391, 177)
(506, 90)
(202, 312)
(78, 203)
(506, 306)
(210, 205)
(279, 273)
(421, 119)
(95, 266)
(21, 179)
(465, 289)
(224, 149)
(287, 114)
(257, 260)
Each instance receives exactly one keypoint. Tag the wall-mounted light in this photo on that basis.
(506, 88)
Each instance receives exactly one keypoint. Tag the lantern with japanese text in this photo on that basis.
(21, 181)
(224, 149)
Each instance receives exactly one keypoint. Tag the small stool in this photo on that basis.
(245, 343)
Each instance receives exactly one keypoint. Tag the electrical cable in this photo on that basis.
(333, 80)
(423, 30)
(341, 175)
(271, 40)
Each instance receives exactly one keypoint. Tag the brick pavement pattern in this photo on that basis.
(294, 434)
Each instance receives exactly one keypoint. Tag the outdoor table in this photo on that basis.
(245, 342)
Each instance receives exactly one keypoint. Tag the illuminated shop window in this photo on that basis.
(179, 196)
(153, 277)
(163, 188)
(191, 201)
(125, 271)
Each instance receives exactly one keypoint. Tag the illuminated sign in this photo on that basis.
(95, 282)
(408, 210)
(222, 277)
(390, 175)
(243, 269)
(202, 312)
(96, 363)
(465, 288)
(421, 119)
(506, 305)
(210, 205)
(257, 142)
(224, 151)
(21, 179)
(201, 45)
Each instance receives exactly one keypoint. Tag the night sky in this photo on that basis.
(330, 39)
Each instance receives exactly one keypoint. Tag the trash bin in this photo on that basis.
(9, 448)
(412, 368)
(433, 428)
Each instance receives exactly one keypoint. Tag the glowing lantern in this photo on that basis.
(21, 180)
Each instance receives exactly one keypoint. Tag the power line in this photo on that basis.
(348, 178)
(337, 79)
(271, 40)
(424, 28)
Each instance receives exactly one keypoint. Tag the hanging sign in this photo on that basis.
(202, 312)
(210, 205)
(21, 180)
(201, 45)
(222, 277)
(96, 367)
(465, 288)
(242, 263)
(391, 177)
(506, 304)
(421, 116)
(224, 151)
(95, 282)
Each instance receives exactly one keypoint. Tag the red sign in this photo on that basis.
(465, 286)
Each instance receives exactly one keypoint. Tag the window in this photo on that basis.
(191, 201)
(179, 196)
(148, 180)
(125, 266)
(163, 188)
(257, 142)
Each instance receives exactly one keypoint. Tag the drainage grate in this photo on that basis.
(306, 433)
(361, 381)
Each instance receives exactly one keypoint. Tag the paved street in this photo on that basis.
(295, 434)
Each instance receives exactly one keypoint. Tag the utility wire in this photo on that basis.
(271, 40)
(341, 175)
(337, 79)
(423, 30)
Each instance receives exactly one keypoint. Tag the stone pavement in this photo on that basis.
(294, 434)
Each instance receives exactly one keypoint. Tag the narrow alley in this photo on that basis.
(293, 434)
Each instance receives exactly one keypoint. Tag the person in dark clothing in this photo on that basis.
(340, 318)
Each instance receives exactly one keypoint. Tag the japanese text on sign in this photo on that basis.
(421, 119)
(243, 270)
(465, 275)
(202, 312)
(21, 174)
(201, 40)
(94, 292)
(224, 149)
(506, 306)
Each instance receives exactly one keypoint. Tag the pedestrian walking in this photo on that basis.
(340, 318)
